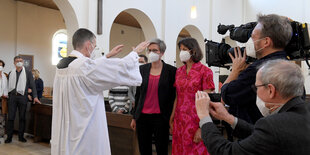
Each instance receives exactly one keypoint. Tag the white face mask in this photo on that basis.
(92, 54)
(263, 109)
(141, 64)
(184, 56)
(153, 57)
(1, 68)
(19, 64)
(250, 48)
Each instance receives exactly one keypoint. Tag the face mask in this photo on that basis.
(92, 54)
(19, 64)
(262, 107)
(250, 48)
(141, 64)
(153, 57)
(1, 68)
(184, 56)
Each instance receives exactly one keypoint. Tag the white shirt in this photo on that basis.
(3, 85)
(79, 125)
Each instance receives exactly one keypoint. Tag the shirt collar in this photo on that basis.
(77, 54)
(275, 54)
(194, 65)
(277, 110)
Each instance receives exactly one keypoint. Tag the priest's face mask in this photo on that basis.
(91, 48)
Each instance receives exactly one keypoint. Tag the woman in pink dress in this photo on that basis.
(190, 78)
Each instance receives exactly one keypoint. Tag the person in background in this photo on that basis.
(39, 83)
(190, 78)
(3, 100)
(121, 99)
(3, 83)
(154, 101)
(143, 59)
(20, 80)
(285, 127)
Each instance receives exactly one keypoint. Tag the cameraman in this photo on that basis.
(268, 40)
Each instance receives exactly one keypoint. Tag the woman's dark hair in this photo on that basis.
(3, 64)
(193, 46)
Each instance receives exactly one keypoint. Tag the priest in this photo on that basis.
(79, 124)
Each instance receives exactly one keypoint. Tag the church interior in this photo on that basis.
(40, 31)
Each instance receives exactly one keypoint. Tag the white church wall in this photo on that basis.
(35, 29)
(125, 35)
(177, 17)
(226, 12)
(7, 33)
(147, 13)
(166, 19)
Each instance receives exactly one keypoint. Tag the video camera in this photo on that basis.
(217, 53)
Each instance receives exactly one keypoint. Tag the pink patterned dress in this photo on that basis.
(186, 121)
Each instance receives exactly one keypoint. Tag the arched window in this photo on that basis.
(59, 46)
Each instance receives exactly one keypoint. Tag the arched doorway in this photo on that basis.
(194, 32)
(129, 28)
(70, 19)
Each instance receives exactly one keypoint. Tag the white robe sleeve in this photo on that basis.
(106, 73)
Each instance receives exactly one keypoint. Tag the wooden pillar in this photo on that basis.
(99, 17)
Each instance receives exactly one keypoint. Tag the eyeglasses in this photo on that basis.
(254, 87)
(152, 50)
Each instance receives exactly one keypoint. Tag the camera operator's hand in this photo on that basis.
(239, 64)
(239, 61)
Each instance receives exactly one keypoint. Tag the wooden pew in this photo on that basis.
(123, 140)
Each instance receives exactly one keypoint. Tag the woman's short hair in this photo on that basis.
(193, 46)
(161, 44)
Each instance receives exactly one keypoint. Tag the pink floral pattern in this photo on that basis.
(186, 121)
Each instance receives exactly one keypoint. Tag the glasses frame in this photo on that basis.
(254, 87)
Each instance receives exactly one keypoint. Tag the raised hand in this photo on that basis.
(117, 49)
(141, 47)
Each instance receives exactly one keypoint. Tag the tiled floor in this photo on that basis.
(28, 148)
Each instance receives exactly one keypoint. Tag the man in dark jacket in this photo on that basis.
(20, 80)
(268, 40)
(283, 130)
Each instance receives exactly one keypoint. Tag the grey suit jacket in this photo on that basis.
(284, 133)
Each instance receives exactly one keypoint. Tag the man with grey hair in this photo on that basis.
(268, 40)
(284, 130)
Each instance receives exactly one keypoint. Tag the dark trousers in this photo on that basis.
(149, 124)
(20, 103)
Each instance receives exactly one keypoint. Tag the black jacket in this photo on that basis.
(239, 95)
(166, 90)
(286, 132)
(29, 84)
